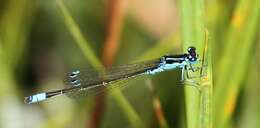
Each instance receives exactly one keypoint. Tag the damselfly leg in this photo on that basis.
(187, 79)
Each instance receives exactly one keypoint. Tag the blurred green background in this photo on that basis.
(40, 41)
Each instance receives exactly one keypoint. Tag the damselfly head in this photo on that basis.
(192, 56)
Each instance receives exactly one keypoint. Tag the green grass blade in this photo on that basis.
(228, 89)
(14, 28)
(250, 115)
(133, 117)
(78, 36)
(206, 105)
(192, 27)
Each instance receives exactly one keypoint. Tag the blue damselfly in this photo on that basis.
(85, 81)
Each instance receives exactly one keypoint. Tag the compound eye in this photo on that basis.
(192, 58)
(192, 53)
(191, 49)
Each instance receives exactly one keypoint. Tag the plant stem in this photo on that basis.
(206, 116)
(192, 27)
(245, 18)
(133, 117)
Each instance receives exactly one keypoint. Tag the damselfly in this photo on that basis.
(84, 82)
